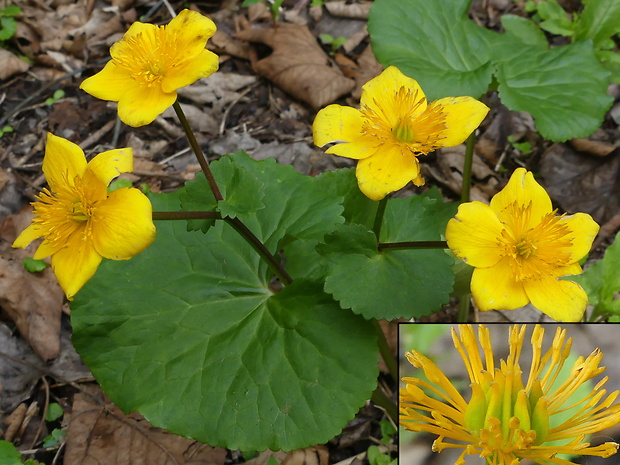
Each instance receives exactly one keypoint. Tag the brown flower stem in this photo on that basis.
(236, 223)
(463, 314)
(386, 352)
(275, 266)
(412, 245)
(379, 217)
(202, 160)
(379, 398)
(469, 158)
(182, 215)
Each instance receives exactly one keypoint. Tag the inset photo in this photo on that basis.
(508, 394)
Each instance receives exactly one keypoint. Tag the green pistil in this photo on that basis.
(403, 133)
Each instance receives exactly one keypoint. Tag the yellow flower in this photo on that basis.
(79, 220)
(520, 247)
(151, 62)
(505, 420)
(394, 125)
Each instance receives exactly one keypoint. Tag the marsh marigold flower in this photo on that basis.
(505, 420)
(394, 125)
(520, 247)
(79, 220)
(151, 62)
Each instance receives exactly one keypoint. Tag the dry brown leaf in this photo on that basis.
(592, 147)
(222, 43)
(105, 435)
(367, 68)
(448, 171)
(580, 183)
(345, 9)
(32, 300)
(298, 65)
(10, 64)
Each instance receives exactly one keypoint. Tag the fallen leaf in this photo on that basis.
(32, 300)
(11, 65)
(345, 9)
(367, 68)
(581, 183)
(298, 65)
(102, 434)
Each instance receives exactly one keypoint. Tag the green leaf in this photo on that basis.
(250, 2)
(549, 10)
(11, 10)
(525, 30)
(450, 55)
(54, 412)
(599, 21)
(393, 283)
(9, 455)
(8, 27)
(119, 184)
(559, 26)
(190, 333)
(272, 461)
(55, 438)
(34, 266)
(542, 82)
(445, 52)
(242, 191)
(601, 280)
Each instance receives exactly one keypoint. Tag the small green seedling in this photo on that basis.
(376, 457)
(54, 412)
(335, 43)
(55, 438)
(119, 184)
(5, 130)
(317, 3)
(34, 266)
(8, 24)
(524, 147)
(54, 98)
(274, 6)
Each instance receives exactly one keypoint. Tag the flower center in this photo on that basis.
(405, 120)
(507, 418)
(146, 56)
(535, 250)
(62, 213)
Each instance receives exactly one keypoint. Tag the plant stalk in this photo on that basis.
(463, 314)
(202, 160)
(386, 352)
(467, 165)
(379, 217)
(379, 398)
(412, 245)
(275, 266)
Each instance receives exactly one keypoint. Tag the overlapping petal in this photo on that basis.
(561, 300)
(381, 90)
(375, 181)
(462, 116)
(123, 226)
(336, 123)
(495, 288)
(143, 104)
(190, 71)
(75, 264)
(108, 165)
(523, 191)
(191, 31)
(583, 231)
(63, 161)
(111, 83)
(473, 234)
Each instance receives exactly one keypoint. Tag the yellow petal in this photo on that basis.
(387, 171)
(336, 123)
(111, 83)
(191, 31)
(63, 161)
(584, 230)
(462, 116)
(495, 288)
(135, 29)
(561, 300)
(523, 190)
(361, 148)
(473, 235)
(28, 235)
(202, 66)
(123, 224)
(75, 264)
(108, 165)
(143, 104)
(382, 91)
